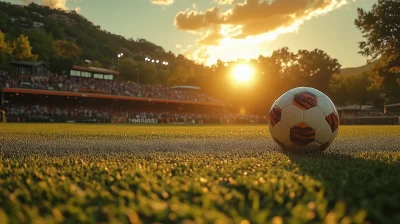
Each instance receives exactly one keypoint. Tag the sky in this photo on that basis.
(207, 30)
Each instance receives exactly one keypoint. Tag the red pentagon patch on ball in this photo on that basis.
(302, 134)
(305, 100)
(275, 115)
(333, 121)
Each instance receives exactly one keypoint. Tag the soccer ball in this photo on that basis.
(303, 120)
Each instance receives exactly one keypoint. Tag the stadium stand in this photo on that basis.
(98, 86)
(75, 98)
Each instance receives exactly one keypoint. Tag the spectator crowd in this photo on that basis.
(110, 87)
(22, 113)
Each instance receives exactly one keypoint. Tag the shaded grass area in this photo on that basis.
(196, 174)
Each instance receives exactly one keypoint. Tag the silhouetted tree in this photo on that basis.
(315, 69)
(339, 90)
(381, 29)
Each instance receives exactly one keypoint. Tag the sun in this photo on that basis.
(242, 73)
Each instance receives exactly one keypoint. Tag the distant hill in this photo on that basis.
(43, 25)
(347, 72)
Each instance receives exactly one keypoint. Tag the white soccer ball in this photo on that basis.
(303, 120)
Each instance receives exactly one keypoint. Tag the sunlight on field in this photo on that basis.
(214, 131)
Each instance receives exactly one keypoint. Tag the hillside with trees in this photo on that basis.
(347, 72)
(44, 25)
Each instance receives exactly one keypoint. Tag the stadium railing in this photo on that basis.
(379, 120)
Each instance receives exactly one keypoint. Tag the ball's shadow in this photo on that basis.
(369, 184)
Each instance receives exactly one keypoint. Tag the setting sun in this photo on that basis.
(242, 73)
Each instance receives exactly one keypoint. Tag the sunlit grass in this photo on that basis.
(133, 174)
(190, 131)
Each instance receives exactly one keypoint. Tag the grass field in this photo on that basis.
(53, 173)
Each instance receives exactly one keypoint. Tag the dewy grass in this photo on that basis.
(55, 173)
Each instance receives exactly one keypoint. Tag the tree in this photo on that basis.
(316, 69)
(353, 90)
(67, 50)
(3, 20)
(96, 64)
(5, 50)
(127, 68)
(29, 21)
(385, 81)
(182, 71)
(23, 50)
(359, 93)
(381, 29)
(179, 76)
(284, 70)
(42, 43)
(4, 46)
(56, 29)
(338, 86)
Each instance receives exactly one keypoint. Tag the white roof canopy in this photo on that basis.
(393, 105)
(185, 87)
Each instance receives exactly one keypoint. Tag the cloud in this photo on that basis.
(55, 3)
(252, 22)
(162, 2)
(210, 37)
(187, 51)
(58, 4)
(225, 2)
(194, 20)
